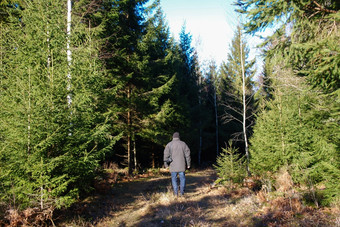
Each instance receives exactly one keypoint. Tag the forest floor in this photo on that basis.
(149, 201)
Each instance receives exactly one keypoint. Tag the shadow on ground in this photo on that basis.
(183, 213)
(226, 210)
(124, 196)
(149, 202)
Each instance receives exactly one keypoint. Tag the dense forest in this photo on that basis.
(88, 83)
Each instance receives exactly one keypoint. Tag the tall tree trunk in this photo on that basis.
(244, 106)
(153, 160)
(129, 132)
(200, 121)
(281, 123)
(29, 114)
(42, 185)
(69, 53)
(1, 57)
(216, 122)
(135, 153)
(48, 50)
(200, 145)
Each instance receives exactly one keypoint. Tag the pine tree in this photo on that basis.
(29, 106)
(144, 96)
(201, 111)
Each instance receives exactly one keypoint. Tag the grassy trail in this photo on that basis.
(150, 202)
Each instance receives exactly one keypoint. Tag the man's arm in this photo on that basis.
(166, 155)
(187, 155)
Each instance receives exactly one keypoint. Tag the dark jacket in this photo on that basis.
(179, 152)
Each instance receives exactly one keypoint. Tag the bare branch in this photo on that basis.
(230, 107)
(322, 9)
(228, 117)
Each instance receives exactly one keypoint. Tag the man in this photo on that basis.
(177, 154)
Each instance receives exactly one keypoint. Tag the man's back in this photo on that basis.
(179, 153)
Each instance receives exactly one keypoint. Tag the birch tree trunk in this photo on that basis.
(29, 114)
(244, 105)
(200, 121)
(69, 53)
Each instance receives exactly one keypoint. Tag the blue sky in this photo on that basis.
(211, 23)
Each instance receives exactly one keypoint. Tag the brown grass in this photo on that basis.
(29, 217)
(150, 202)
(284, 182)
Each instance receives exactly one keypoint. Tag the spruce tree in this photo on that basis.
(123, 31)
(291, 132)
(212, 86)
(307, 35)
(9, 8)
(155, 104)
(306, 44)
(230, 165)
(50, 148)
(187, 89)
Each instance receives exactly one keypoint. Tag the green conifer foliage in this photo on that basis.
(291, 132)
(205, 116)
(230, 165)
(186, 89)
(168, 99)
(7, 8)
(123, 31)
(49, 149)
(307, 34)
(302, 119)
(30, 111)
(156, 107)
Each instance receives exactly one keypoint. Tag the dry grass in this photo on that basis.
(28, 217)
(152, 203)
(284, 181)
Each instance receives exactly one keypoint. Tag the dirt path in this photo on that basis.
(150, 202)
(154, 203)
(146, 202)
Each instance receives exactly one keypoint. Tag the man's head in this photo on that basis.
(175, 135)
